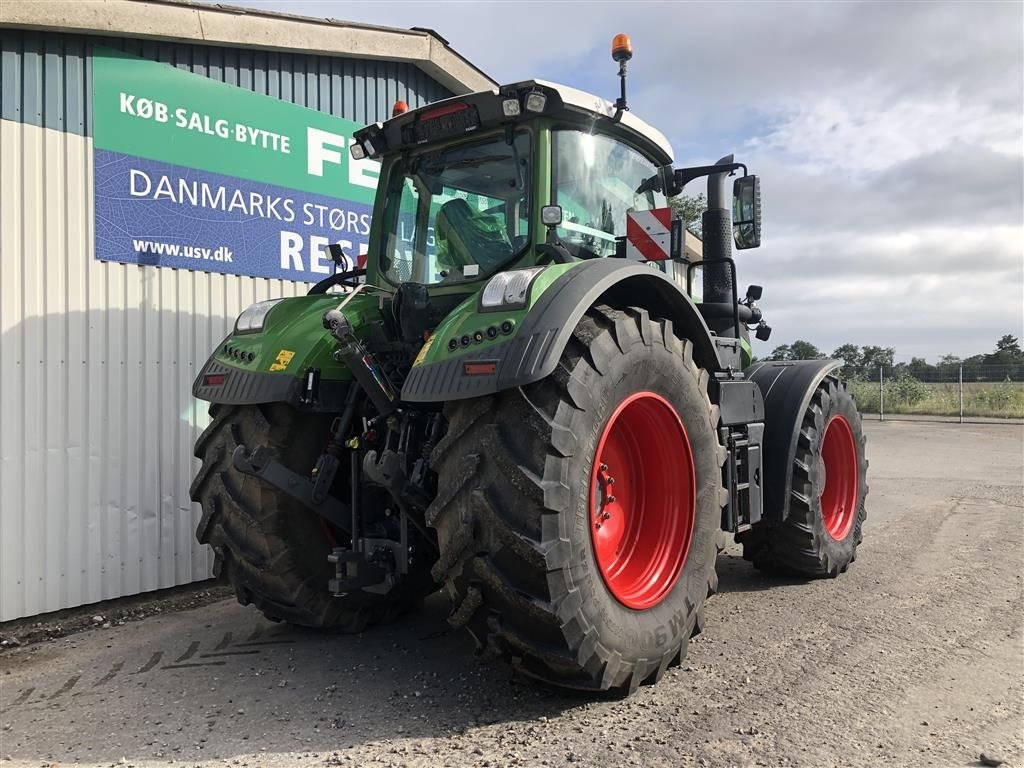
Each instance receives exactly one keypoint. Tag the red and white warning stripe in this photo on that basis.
(649, 234)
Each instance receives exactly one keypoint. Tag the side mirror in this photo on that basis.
(746, 212)
(336, 254)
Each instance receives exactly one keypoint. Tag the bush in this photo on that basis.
(903, 390)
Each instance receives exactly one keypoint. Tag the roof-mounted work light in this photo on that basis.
(536, 101)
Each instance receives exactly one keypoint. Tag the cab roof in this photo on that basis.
(483, 109)
(595, 105)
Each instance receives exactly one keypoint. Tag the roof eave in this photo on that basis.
(192, 22)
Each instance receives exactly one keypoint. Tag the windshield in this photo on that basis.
(458, 213)
(595, 179)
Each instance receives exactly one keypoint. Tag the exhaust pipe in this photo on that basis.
(716, 226)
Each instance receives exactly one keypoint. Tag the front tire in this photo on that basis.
(523, 488)
(819, 537)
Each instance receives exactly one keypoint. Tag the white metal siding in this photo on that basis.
(96, 365)
(97, 359)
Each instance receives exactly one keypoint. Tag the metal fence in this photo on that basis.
(952, 392)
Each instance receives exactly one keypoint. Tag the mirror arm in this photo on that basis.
(556, 252)
(683, 176)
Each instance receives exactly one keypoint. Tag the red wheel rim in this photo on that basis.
(642, 500)
(839, 494)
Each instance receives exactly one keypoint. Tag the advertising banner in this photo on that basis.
(195, 174)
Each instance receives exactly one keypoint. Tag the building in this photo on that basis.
(162, 165)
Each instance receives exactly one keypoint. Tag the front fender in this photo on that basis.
(544, 330)
(272, 365)
(787, 388)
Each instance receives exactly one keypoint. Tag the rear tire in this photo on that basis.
(270, 548)
(515, 510)
(820, 536)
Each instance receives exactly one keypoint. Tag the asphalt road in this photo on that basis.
(914, 657)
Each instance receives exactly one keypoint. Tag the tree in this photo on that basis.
(849, 354)
(689, 209)
(948, 365)
(875, 357)
(781, 352)
(919, 367)
(804, 350)
(1008, 352)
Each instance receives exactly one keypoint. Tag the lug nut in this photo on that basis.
(610, 499)
(611, 480)
(603, 467)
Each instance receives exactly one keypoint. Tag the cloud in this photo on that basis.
(889, 138)
(862, 132)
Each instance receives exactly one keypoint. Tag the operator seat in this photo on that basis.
(467, 236)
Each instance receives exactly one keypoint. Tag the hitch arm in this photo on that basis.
(262, 464)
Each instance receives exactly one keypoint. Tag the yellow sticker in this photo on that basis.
(424, 349)
(283, 358)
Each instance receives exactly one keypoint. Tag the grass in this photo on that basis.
(907, 395)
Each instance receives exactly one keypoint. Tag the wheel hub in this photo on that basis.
(840, 474)
(642, 501)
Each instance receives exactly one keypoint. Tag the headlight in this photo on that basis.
(508, 290)
(251, 320)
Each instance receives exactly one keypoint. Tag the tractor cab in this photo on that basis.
(535, 174)
(465, 181)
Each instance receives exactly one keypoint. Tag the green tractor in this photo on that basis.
(533, 396)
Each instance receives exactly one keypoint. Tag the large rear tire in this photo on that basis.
(270, 548)
(577, 517)
(819, 538)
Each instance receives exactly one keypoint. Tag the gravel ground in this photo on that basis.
(915, 657)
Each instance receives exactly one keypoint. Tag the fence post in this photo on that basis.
(881, 396)
(960, 377)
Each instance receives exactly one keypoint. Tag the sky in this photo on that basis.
(889, 138)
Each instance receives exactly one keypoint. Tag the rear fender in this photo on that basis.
(787, 389)
(454, 372)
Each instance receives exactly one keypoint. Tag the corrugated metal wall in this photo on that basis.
(97, 358)
(46, 79)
